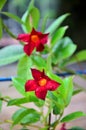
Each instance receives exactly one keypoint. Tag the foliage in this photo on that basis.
(58, 53)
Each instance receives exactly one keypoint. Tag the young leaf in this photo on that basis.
(66, 90)
(25, 116)
(24, 66)
(78, 57)
(2, 3)
(10, 54)
(39, 62)
(19, 85)
(14, 17)
(73, 116)
(19, 101)
(30, 18)
(63, 49)
(52, 28)
(58, 34)
(76, 128)
(1, 28)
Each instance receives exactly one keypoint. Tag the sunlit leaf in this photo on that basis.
(19, 85)
(73, 116)
(30, 18)
(78, 57)
(2, 3)
(66, 90)
(13, 16)
(63, 49)
(25, 116)
(24, 67)
(10, 54)
(52, 28)
(58, 34)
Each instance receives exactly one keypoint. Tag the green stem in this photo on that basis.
(49, 122)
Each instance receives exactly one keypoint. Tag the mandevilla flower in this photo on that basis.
(40, 84)
(34, 40)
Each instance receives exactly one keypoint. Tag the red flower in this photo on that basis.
(40, 84)
(63, 127)
(34, 40)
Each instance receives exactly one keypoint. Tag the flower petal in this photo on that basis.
(44, 38)
(30, 85)
(36, 74)
(23, 37)
(40, 47)
(41, 92)
(52, 85)
(28, 48)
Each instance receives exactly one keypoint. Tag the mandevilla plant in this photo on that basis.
(42, 54)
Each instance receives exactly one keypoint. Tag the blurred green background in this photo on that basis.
(76, 21)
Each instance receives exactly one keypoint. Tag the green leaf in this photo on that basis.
(31, 18)
(54, 77)
(18, 101)
(66, 90)
(39, 62)
(8, 31)
(1, 28)
(14, 17)
(25, 116)
(24, 67)
(78, 57)
(58, 34)
(77, 91)
(32, 117)
(63, 49)
(52, 28)
(10, 54)
(76, 128)
(2, 3)
(19, 84)
(73, 116)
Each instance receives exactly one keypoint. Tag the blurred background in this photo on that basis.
(76, 21)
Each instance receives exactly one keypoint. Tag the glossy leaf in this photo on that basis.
(10, 54)
(24, 67)
(58, 34)
(39, 62)
(31, 18)
(52, 28)
(18, 101)
(13, 16)
(66, 90)
(25, 116)
(2, 3)
(19, 85)
(54, 77)
(63, 49)
(73, 116)
(78, 57)
(1, 28)
(76, 128)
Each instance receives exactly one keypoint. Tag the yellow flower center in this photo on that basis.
(42, 82)
(34, 38)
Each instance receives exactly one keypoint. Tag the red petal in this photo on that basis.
(52, 85)
(30, 85)
(24, 37)
(44, 38)
(40, 47)
(36, 74)
(41, 92)
(28, 48)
